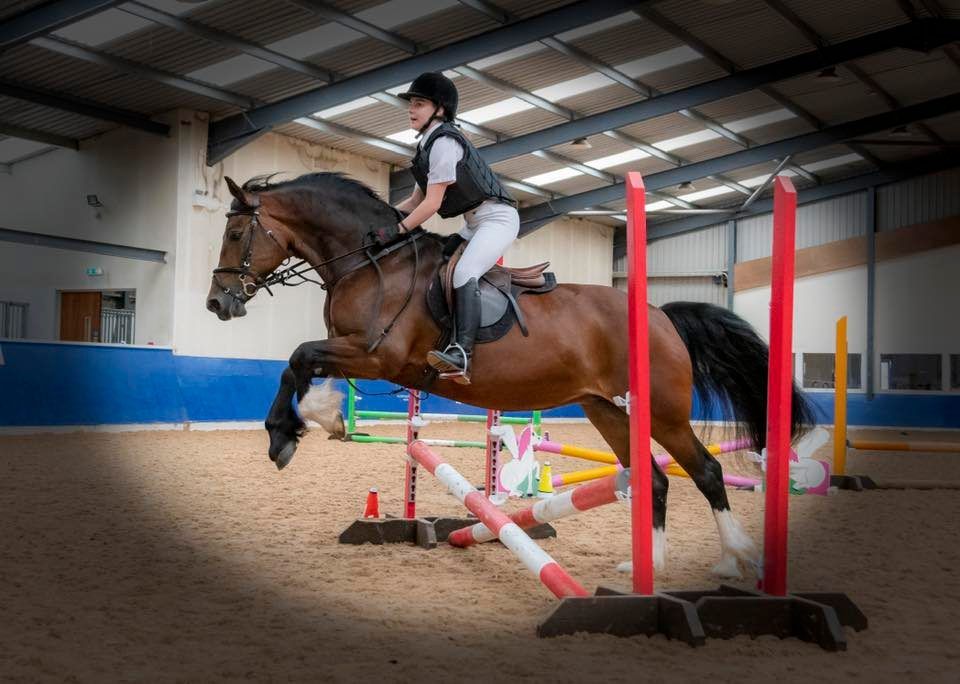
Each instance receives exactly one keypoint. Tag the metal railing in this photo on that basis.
(13, 320)
(117, 326)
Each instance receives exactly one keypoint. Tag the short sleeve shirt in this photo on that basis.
(445, 154)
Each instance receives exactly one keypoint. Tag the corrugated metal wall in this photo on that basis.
(685, 267)
(689, 260)
(918, 200)
(835, 219)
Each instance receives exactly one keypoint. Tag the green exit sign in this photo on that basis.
(94, 271)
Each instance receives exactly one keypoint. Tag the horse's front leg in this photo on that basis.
(321, 403)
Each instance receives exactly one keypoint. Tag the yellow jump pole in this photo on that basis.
(840, 400)
(931, 447)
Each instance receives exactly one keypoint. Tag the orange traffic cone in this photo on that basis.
(372, 509)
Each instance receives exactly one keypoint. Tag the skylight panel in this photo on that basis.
(575, 86)
(353, 105)
(496, 110)
(597, 26)
(617, 159)
(760, 120)
(407, 137)
(103, 27)
(552, 176)
(660, 61)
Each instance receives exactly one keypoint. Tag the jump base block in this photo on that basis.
(819, 618)
(625, 615)
(424, 532)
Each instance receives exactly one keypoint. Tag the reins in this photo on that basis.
(252, 282)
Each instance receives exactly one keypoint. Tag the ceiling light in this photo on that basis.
(582, 143)
(829, 74)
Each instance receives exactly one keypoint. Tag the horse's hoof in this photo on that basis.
(728, 568)
(339, 430)
(286, 455)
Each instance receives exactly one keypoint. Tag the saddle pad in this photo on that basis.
(496, 314)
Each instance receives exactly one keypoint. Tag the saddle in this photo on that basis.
(500, 288)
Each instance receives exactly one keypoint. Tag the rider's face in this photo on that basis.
(420, 111)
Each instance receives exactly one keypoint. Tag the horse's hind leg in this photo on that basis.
(614, 425)
(705, 470)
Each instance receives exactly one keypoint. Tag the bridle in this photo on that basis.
(292, 276)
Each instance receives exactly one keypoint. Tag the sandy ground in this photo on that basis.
(185, 556)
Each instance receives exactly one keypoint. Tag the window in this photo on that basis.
(911, 372)
(955, 371)
(818, 371)
(13, 320)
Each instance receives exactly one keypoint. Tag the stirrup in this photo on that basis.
(448, 370)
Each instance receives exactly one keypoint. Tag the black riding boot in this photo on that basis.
(454, 361)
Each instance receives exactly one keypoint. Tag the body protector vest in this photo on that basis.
(475, 181)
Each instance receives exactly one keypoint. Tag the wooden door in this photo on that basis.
(80, 316)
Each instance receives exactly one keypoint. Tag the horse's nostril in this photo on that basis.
(213, 304)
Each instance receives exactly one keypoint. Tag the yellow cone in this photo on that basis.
(546, 480)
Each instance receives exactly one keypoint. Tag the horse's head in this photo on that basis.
(254, 245)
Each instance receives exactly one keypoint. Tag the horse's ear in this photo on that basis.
(236, 190)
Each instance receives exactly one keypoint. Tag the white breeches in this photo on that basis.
(490, 229)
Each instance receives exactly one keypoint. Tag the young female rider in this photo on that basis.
(453, 180)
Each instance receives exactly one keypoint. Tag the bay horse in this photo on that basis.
(576, 353)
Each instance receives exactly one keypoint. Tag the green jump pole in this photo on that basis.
(351, 408)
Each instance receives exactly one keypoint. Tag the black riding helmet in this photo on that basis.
(437, 88)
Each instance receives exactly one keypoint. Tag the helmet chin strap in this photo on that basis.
(424, 127)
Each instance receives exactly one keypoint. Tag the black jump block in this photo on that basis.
(425, 532)
(625, 615)
(723, 613)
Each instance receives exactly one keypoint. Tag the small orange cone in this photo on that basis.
(372, 509)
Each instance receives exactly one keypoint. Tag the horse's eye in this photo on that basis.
(236, 235)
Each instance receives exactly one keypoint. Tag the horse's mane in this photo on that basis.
(334, 181)
(329, 181)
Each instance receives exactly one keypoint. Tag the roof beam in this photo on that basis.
(48, 17)
(919, 167)
(227, 40)
(929, 33)
(39, 136)
(76, 105)
(533, 217)
(820, 42)
(229, 134)
(75, 245)
(327, 11)
(77, 51)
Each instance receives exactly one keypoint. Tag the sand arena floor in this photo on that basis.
(185, 556)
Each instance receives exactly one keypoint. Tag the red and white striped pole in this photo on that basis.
(592, 495)
(779, 389)
(555, 578)
(641, 475)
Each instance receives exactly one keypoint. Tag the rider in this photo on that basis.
(453, 180)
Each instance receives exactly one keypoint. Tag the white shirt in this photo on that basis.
(445, 154)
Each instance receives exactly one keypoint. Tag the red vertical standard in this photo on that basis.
(641, 508)
(779, 389)
(410, 481)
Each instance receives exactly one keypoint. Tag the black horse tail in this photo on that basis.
(730, 368)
